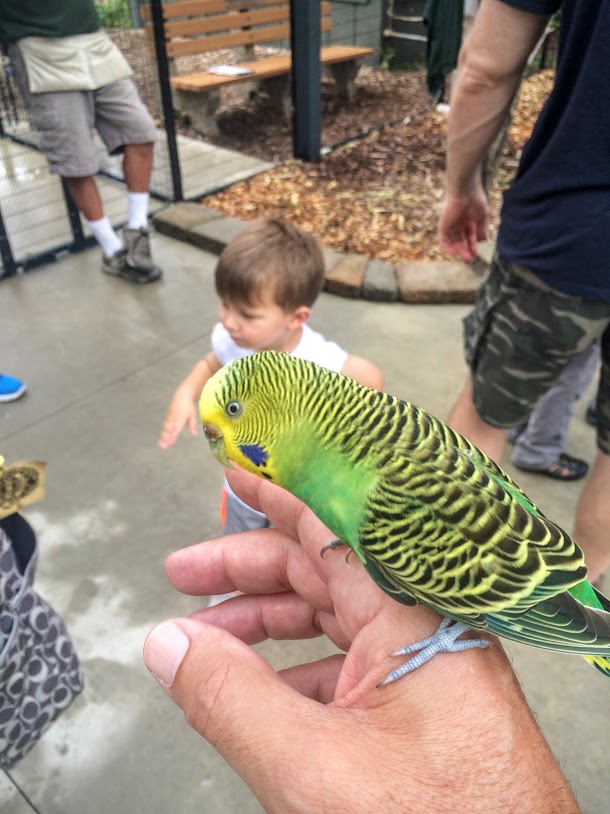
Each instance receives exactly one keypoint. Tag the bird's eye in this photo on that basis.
(233, 409)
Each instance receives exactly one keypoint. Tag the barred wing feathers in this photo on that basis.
(430, 516)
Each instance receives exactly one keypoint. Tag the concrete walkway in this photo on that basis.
(101, 359)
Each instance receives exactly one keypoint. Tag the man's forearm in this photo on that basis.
(490, 68)
(475, 119)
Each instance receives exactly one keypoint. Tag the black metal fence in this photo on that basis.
(38, 220)
(37, 217)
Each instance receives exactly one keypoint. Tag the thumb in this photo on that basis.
(232, 697)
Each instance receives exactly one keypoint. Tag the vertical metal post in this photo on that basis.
(134, 9)
(544, 51)
(8, 261)
(305, 42)
(76, 225)
(156, 10)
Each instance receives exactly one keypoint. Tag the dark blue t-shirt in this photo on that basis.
(556, 215)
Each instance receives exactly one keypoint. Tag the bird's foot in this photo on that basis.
(331, 547)
(443, 641)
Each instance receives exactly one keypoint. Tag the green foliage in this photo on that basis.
(387, 59)
(114, 13)
(388, 62)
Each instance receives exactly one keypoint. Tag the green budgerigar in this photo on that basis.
(432, 518)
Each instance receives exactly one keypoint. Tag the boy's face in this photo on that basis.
(262, 325)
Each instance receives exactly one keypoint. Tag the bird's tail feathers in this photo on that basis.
(601, 664)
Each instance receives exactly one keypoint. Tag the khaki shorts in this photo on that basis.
(66, 122)
(519, 337)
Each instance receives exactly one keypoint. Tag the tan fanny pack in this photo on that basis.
(81, 62)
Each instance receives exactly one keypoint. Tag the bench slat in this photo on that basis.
(225, 22)
(265, 68)
(201, 45)
(196, 8)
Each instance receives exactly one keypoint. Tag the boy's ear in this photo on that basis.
(300, 316)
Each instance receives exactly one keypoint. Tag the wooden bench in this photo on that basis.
(203, 26)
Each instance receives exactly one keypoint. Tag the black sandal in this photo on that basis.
(566, 468)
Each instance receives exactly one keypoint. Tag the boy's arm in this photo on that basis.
(363, 371)
(182, 409)
(199, 375)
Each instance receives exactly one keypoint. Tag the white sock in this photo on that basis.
(105, 235)
(137, 210)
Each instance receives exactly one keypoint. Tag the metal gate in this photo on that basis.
(38, 220)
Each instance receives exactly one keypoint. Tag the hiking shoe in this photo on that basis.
(118, 266)
(115, 263)
(10, 388)
(137, 246)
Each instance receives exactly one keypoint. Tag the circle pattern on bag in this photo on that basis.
(39, 671)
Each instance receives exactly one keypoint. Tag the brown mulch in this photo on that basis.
(379, 195)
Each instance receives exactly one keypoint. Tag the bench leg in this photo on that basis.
(201, 109)
(344, 74)
(277, 89)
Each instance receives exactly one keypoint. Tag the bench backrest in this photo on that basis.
(199, 26)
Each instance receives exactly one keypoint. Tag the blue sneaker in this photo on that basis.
(10, 388)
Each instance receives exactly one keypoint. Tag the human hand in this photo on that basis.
(323, 736)
(462, 223)
(181, 412)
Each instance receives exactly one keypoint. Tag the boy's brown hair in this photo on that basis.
(270, 255)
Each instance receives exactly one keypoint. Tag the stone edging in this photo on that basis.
(347, 274)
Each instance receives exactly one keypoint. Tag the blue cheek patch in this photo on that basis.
(254, 453)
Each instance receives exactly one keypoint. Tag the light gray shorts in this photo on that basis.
(66, 121)
(240, 517)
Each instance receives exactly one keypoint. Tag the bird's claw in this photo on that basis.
(443, 641)
(331, 547)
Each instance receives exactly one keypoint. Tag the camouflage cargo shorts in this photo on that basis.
(519, 337)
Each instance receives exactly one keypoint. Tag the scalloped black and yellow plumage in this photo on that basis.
(430, 516)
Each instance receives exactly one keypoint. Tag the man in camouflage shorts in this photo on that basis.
(547, 296)
(520, 336)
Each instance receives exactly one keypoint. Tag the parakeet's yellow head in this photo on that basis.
(297, 424)
(263, 412)
(241, 409)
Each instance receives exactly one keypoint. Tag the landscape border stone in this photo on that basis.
(346, 274)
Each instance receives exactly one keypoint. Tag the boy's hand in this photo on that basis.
(181, 412)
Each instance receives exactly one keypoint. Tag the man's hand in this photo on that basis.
(455, 733)
(463, 222)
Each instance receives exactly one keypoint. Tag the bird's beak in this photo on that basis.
(217, 444)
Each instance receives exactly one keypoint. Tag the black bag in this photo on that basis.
(39, 671)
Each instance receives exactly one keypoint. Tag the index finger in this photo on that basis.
(283, 509)
(265, 561)
(353, 592)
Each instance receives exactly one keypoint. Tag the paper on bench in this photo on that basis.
(229, 70)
